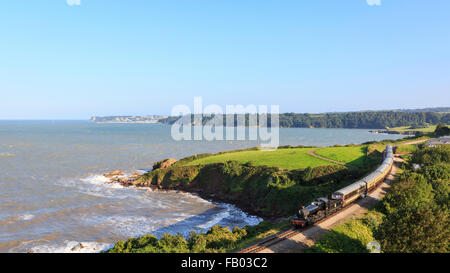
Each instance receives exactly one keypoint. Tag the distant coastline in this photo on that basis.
(370, 120)
(407, 133)
(152, 119)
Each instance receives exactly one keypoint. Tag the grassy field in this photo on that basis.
(296, 158)
(381, 146)
(290, 159)
(406, 149)
(430, 128)
(350, 155)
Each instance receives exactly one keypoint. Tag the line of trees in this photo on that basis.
(352, 120)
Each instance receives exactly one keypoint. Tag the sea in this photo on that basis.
(54, 197)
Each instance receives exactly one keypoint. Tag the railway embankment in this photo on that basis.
(270, 192)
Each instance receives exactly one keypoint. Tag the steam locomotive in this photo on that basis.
(324, 207)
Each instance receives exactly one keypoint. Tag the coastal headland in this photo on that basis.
(257, 186)
(269, 184)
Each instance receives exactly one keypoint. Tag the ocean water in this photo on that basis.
(53, 195)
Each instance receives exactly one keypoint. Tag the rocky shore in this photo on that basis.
(136, 180)
(267, 192)
(118, 176)
(390, 132)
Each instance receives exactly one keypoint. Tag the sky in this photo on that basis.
(73, 59)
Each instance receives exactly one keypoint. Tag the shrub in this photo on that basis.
(411, 191)
(350, 237)
(423, 228)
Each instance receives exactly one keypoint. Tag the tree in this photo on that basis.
(442, 130)
(411, 190)
(417, 229)
(432, 155)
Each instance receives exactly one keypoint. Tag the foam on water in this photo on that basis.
(71, 247)
(26, 217)
(96, 185)
(133, 224)
(217, 218)
(6, 155)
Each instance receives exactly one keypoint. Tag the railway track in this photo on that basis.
(271, 241)
(279, 237)
(290, 232)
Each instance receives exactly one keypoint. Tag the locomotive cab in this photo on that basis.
(314, 207)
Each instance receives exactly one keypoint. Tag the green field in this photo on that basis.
(283, 158)
(406, 149)
(349, 155)
(296, 158)
(430, 128)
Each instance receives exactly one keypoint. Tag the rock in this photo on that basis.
(166, 163)
(123, 180)
(135, 176)
(77, 247)
(114, 173)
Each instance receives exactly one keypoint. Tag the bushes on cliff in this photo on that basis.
(266, 191)
(417, 229)
(350, 237)
(441, 130)
(411, 191)
(432, 155)
(217, 239)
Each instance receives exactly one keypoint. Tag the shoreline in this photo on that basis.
(210, 197)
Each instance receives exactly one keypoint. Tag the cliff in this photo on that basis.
(268, 192)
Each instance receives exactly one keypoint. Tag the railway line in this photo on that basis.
(292, 232)
(281, 236)
(275, 239)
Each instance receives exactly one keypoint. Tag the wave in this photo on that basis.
(228, 216)
(26, 217)
(7, 155)
(14, 219)
(217, 219)
(71, 247)
(141, 212)
(101, 180)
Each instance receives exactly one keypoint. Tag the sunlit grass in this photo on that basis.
(354, 155)
(297, 158)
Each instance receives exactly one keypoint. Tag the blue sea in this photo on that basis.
(54, 196)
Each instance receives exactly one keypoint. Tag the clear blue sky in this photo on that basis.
(111, 57)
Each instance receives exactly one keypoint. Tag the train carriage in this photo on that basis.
(373, 179)
(323, 207)
(351, 192)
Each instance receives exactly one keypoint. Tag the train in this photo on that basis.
(323, 207)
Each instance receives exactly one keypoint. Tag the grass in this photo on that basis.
(381, 146)
(266, 229)
(350, 237)
(406, 149)
(349, 155)
(429, 129)
(291, 159)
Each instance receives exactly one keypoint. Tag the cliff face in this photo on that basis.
(268, 192)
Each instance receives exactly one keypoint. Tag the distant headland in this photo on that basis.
(412, 118)
(129, 119)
